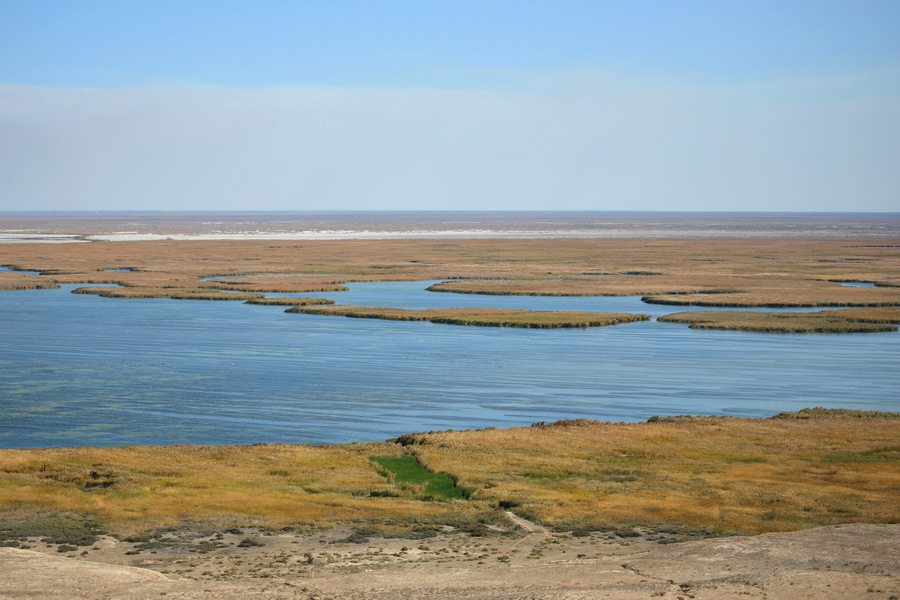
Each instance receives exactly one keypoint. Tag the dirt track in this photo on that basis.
(845, 561)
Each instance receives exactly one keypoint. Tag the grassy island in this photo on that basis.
(290, 301)
(482, 317)
(834, 321)
(173, 293)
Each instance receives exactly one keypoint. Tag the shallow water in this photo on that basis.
(85, 370)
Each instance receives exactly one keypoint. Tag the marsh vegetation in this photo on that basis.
(723, 474)
(732, 272)
(834, 321)
(482, 317)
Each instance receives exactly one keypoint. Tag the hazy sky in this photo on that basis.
(630, 105)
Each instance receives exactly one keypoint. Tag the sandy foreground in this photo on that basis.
(840, 562)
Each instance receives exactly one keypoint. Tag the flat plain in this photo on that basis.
(569, 509)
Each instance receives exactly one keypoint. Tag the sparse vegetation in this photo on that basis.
(51, 527)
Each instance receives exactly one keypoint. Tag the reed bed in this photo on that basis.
(690, 264)
(172, 293)
(765, 290)
(291, 301)
(733, 272)
(837, 321)
(786, 296)
(481, 317)
(867, 315)
(279, 284)
(586, 285)
(19, 281)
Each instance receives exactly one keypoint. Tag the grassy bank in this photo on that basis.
(482, 317)
(723, 474)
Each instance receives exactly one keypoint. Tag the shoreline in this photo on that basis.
(16, 227)
(508, 552)
(52, 238)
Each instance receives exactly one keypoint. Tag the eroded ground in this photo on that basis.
(845, 561)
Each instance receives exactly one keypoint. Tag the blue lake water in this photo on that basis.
(84, 370)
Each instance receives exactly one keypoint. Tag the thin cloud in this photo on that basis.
(577, 140)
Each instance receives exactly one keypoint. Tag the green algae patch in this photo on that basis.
(407, 469)
(480, 317)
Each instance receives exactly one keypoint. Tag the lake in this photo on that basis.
(83, 370)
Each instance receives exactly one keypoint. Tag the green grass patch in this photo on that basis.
(406, 469)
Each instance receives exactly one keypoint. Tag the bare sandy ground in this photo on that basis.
(840, 562)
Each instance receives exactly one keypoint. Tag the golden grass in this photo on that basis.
(174, 293)
(138, 488)
(585, 285)
(736, 475)
(483, 317)
(768, 290)
(731, 475)
(867, 315)
(835, 321)
(291, 301)
(786, 294)
(278, 284)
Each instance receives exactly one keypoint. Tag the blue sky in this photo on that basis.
(640, 105)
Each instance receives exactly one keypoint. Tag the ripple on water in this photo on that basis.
(85, 370)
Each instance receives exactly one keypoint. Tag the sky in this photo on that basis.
(683, 105)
